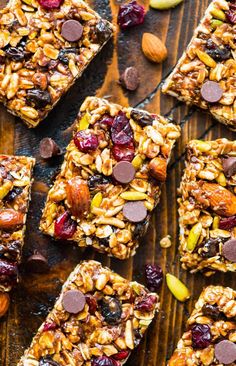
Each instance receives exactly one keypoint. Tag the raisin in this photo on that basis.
(131, 14)
(218, 53)
(210, 247)
(154, 277)
(15, 192)
(64, 52)
(40, 98)
(92, 303)
(111, 310)
(211, 310)
(141, 117)
(102, 32)
(201, 336)
(140, 229)
(47, 361)
(98, 180)
(15, 53)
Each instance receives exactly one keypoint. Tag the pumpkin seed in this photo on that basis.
(177, 288)
(194, 235)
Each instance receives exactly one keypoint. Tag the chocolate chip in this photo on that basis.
(73, 301)
(72, 30)
(130, 78)
(225, 352)
(48, 148)
(229, 250)
(37, 263)
(135, 211)
(123, 172)
(229, 166)
(211, 92)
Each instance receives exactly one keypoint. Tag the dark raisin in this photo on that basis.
(141, 117)
(104, 361)
(47, 361)
(218, 53)
(15, 53)
(201, 336)
(140, 229)
(15, 192)
(146, 303)
(40, 98)
(102, 32)
(111, 310)
(210, 247)
(92, 303)
(98, 180)
(64, 53)
(104, 242)
(154, 277)
(211, 310)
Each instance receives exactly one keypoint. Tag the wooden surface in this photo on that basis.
(36, 294)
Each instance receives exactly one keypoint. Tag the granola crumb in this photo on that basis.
(166, 242)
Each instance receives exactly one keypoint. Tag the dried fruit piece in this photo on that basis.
(146, 304)
(86, 141)
(154, 277)
(218, 53)
(153, 48)
(50, 4)
(158, 168)
(201, 336)
(65, 227)
(211, 311)
(229, 165)
(78, 197)
(123, 152)
(122, 355)
(121, 131)
(38, 98)
(4, 303)
(130, 14)
(177, 288)
(111, 310)
(164, 4)
(104, 361)
(194, 235)
(47, 361)
(227, 223)
(10, 219)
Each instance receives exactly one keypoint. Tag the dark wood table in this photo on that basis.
(36, 294)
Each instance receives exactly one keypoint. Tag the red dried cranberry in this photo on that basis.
(123, 152)
(231, 13)
(201, 336)
(121, 131)
(130, 14)
(65, 227)
(147, 303)
(154, 276)
(227, 223)
(49, 326)
(86, 141)
(122, 355)
(107, 120)
(50, 4)
(104, 361)
(92, 303)
(8, 268)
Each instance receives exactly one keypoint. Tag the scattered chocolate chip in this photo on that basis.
(73, 301)
(37, 263)
(211, 92)
(141, 117)
(229, 250)
(225, 352)
(229, 166)
(48, 148)
(123, 172)
(72, 30)
(135, 211)
(130, 78)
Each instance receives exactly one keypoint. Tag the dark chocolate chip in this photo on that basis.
(135, 211)
(73, 301)
(229, 166)
(229, 250)
(123, 172)
(72, 30)
(130, 78)
(211, 92)
(37, 263)
(225, 352)
(48, 148)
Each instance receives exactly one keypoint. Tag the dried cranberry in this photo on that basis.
(40, 98)
(15, 53)
(8, 268)
(146, 303)
(123, 152)
(65, 227)
(92, 303)
(130, 14)
(86, 141)
(2, 59)
(111, 310)
(16, 191)
(50, 4)
(47, 361)
(218, 53)
(201, 336)
(122, 355)
(64, 52)
(210, 247)
(121, 131)
(102, 32)
(227, 223)
(154, 276)
(104, 361)
(211, 310)
(98, 180)
(107, 120)
(49, 326)
(231, 13)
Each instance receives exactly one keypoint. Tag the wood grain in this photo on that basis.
(36, 294)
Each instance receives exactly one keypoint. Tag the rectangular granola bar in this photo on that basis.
(205, 74)
(110, 179)
(98, 319)
(15, 185)
(207, 207)
(44, 47)
(210, 338)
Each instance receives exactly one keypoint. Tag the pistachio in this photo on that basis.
(84, 122)
(164, 4)
(218, 14)
(137, 161)
(177, 288)
(216, 221)
(133, 196)
(205, 58)
(5, 189)
(221, 179)
(194, 235)
(97, 200)
(216, 23)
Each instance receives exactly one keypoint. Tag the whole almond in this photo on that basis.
(157, 168)
(9, 219)
(4, 303)
(153, 48)
(78, 197)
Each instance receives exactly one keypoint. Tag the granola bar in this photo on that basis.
(99, 318)
(210, 338)
(15, 184)
(45, 45)
(110, 179)
(207, 207)
(205, 75)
